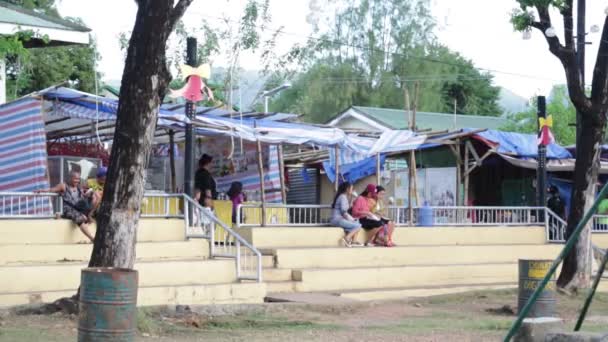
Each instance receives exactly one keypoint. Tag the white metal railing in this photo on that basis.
(600, 224)
(224, 242)
(484, 216)
(555, 226)
(24, 205)
(284, 215)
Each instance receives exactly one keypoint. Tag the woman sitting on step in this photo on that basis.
(370, 222)
(76, 203)
(377, 206)
(341, 218)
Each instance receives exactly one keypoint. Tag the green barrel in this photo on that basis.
(531, 274)
(108, 305)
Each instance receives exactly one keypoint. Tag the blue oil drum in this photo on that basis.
(425, 216)
(108, 305)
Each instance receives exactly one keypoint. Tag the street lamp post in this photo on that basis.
(268, 93)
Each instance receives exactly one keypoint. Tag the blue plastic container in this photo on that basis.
(425, 216)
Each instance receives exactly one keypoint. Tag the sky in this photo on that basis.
(477, 29)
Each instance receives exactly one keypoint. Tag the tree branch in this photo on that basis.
(567, 56)
(568, 25)
(179, 10)
(599, 85)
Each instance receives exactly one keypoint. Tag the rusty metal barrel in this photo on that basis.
(108, 305)
(531, 274)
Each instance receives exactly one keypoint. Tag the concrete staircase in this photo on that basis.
(40, 261)
(427, 261)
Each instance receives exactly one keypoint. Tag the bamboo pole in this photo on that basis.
(282, 174)
(378, 167)
(262, 185)
(413, 154)
(172, 160)
(337, 167)
(406, 95)
(466, 175)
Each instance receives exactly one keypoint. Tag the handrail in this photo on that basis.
(555, 234)
(230, 245)
(567, 247)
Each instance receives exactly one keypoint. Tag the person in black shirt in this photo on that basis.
(203, 180)
(555, 202)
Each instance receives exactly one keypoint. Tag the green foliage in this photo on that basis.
(562, 110)
(523, 17)
(35, 69)
(374, 50)
(46, 6)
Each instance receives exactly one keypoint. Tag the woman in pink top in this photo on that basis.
(370, 222)
(236, 195)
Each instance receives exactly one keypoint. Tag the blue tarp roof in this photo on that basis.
(521, 145)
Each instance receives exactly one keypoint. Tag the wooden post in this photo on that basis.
(172, 160)
(337, 167)
(466, 175)
(262, 185)
(458, 174)
(282, 174)
(378, 167)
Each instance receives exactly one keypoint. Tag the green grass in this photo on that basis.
(445, 322)
(27, 334)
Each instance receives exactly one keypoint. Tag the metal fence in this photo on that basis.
(482, 216)
(283, 215)
(28, 205)
(600, 224)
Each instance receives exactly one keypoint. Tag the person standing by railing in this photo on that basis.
(76, 204)
(555, 203)
(341, 218)
(236, 196)
(204, 182)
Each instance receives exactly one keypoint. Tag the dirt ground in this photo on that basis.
(473, 316)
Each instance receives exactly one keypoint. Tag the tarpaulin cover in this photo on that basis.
(519, 144)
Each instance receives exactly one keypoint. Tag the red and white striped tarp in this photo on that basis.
(23, 157)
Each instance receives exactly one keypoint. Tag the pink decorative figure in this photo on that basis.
(195, 87)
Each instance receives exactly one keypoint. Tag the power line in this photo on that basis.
(371, 49)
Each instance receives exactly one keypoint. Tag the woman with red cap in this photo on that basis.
(370, 222)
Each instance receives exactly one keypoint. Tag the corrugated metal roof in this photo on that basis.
(397, 119)
(12, 14)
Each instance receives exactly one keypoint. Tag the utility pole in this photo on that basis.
(541, 175)
(190, 113)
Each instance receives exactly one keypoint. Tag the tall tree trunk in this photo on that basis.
(576, 269)
(144, 82)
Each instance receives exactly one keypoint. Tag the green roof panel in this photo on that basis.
(397, 119)
(12, 14)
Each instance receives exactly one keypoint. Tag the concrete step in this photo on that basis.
(282, 286)
(416, 292)
(341, 257)
(276, 274)
(195, 294)
(59, 277)
(277, 237)
(51, 231)
(52, 253)
(403, 276)
(268, 261)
